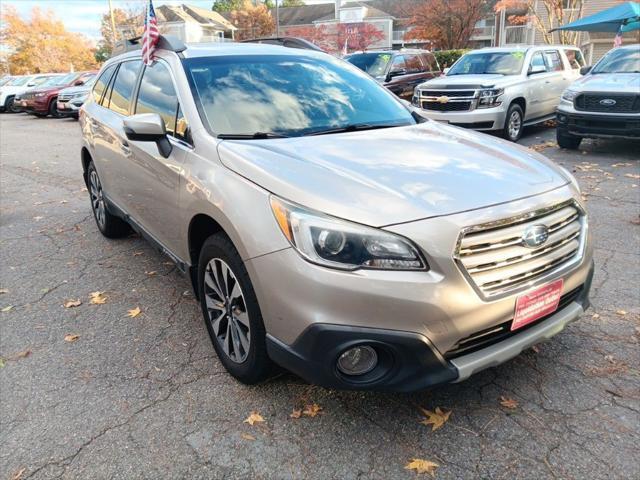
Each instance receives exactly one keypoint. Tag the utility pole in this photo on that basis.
(113, 23)
(277, 18)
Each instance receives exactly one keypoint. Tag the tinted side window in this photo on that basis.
(430, 62)
(181, 126)
(102, 82)
(157, 95)
(537, 61)
(413, 63)
(398, 64)
(553, 60)
(123, 86)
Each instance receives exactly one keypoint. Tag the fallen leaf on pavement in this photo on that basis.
(622, 313)
(18, 475)
(595, 316)
(3, 290)
(312, 410)
(541, 146)
(71, 337)
(436, 419)
(632, 175)
(508, 402)
(151, 273)
(422, 466)
(1, 362)
(137, 254)
(22, 354)
(72, 303)
(255, 417)
(296, 413)
(7, 308)
(246, 436)
(536, 349)
(609, 358)
(133, 312)
(97, 298)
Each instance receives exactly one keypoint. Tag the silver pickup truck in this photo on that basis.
(605, 102)
(503, 88)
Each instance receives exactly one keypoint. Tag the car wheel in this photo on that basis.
(231, 311)
(8, 105)
(109, 225)
(566, 140)
(53, 109)
(513, 123)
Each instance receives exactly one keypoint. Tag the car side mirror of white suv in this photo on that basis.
(148, 127)
(585, 70)
(534, 69)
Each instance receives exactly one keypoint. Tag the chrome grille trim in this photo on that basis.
(496, 263)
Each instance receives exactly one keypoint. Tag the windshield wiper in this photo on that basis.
(251, 136)
(351, 128)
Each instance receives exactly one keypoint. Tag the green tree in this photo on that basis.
(227, 5)
(291, 3)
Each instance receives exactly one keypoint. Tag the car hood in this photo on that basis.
(469, 81)
(608, 82)
(394, 175)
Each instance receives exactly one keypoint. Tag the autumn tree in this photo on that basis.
(318, 35)
(448, 24)
(128, 22)
(252, 21)
(358, 36)
(227, 5)
(545, 15)
(42, 44)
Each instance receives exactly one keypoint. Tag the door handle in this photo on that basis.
(124, 148)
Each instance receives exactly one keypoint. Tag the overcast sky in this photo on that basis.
(83, 16)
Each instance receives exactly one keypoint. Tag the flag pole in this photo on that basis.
(113, 22)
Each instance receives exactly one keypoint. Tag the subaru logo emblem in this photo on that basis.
(535, 236)
(608, 102)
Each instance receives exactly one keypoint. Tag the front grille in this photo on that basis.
(497, 261)
(489, 336)
(590, 102)
(447, 93)
(447, 107)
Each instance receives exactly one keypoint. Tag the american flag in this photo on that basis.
(150, 35)
(617, 42)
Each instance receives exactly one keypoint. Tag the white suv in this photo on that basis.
(605, 102)
(501, 88)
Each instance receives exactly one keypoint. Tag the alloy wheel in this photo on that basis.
(515, 124)
(97, 199)
(227, 310)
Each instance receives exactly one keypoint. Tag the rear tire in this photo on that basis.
(231, 311)
(566, 140)
(513, 123)
(109, 225)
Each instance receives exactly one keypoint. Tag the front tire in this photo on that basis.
(513, 123)
(566, 140)
(231, 311)
(109, 225)
(53, 108)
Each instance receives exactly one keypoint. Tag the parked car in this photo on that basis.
(16, 107)
(70, 99)
(501, 89)
(398, 70)
(16, 85)
(324, 226)
(43, 100)
(5, 79)
(605, 102)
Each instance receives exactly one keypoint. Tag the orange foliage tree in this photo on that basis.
(447, 23)
(253, 21)
(42, 44)
(545, 15)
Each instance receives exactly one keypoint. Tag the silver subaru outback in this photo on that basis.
(324, 226)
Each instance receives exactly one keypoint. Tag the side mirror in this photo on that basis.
(148, 127)
(396, 73)
(446, 70)
(585, 70)
(534, 69)
(77, 83)
(31, 84)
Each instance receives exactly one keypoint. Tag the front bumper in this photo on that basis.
(70, 108)
(35, 105)
(597, 125)
(478, 119)
(437, 308)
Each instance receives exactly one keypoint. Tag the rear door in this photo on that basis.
(558, 80)
(413, 72)
(158, 178)
(537, 87)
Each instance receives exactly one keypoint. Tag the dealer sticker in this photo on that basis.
(537, 304)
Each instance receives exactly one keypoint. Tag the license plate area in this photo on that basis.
(536, 304)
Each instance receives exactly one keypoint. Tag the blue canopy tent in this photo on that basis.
(625, 16)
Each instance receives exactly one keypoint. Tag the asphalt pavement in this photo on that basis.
(88, 392)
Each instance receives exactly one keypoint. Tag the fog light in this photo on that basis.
(358, 360)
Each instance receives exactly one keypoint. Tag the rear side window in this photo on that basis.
(413, 63)
(537, 61)
(398, 64)
(576, 60)
(430, 62)
(123, 86)
(553, 60)
(157, 95)
(102, 82)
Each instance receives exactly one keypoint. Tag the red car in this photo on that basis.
(42, 101)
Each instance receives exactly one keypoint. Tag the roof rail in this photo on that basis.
(166, 42)
(291, 42)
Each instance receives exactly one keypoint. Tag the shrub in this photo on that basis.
(446, 58)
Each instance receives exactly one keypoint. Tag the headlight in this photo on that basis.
(39, 94)
(569, 95)
(571, 178)
(489, 97)
(341, 244)
(82, 95)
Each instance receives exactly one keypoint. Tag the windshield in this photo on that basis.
(503, 63)
(62, 80)
(5, 80)
(18, 81)
(619, 60)
(288, 95)
(375, 64)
